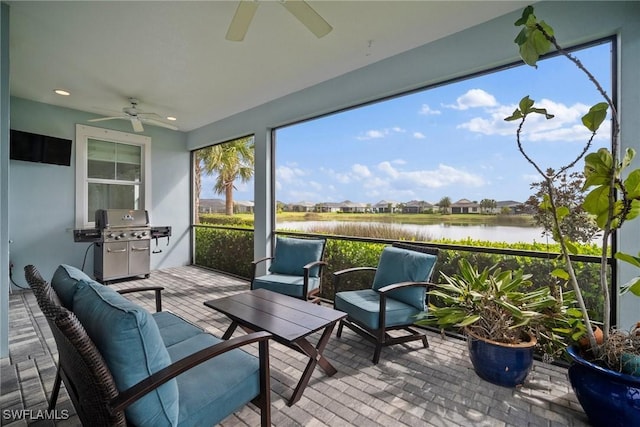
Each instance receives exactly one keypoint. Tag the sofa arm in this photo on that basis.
(156, 289)
(132, 394)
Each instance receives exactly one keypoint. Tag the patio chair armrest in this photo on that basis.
(337, 275)
(404, 285)
(309, 266)
(157, 289)
(353, 270)
(135, 392)
(254, 265)
(259, 260)
(312, 296)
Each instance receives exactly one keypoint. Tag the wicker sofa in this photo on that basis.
(122, 365)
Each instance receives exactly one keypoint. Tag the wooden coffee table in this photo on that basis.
(289, 319)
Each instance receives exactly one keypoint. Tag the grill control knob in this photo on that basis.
(123, 235)
(111, 235)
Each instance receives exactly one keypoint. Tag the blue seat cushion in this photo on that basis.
(216, 388)
(284, 284)
(398, 265)
(174, 329)
(293, 254)
(364, 307)
(130, 342)
(65, 281)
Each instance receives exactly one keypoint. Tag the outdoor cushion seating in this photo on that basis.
(295, 270)
(397, 295)
(125, 366)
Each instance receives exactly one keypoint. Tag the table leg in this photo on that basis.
(315, 358)
(230, 331)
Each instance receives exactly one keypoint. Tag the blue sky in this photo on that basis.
(447, 141)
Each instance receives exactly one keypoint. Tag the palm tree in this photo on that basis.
(444, 204)
(230, 161)
(488, 205)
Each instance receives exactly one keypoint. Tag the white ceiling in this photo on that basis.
(173, 55)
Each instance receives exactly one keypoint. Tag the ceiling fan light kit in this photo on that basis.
(298, 8)
(137, 117)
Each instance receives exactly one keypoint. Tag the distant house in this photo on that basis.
(219, 206)
(416, 206)
(328, 207)
(385, 206)
(465, 206)
(352, 207)
(511, 206)
(211, 206)
(243, 206)
(302, 207)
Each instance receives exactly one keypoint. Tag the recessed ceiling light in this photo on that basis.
(173, 119)
(62, 92)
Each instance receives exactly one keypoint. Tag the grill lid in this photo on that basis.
(119, 218)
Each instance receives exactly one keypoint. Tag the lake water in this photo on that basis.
(492, 233)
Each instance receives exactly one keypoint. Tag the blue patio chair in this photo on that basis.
(397, 295)
(295, 270)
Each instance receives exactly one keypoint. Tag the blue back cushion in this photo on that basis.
(293, 254)
(65, 281)
(402, 265)
(130, 342)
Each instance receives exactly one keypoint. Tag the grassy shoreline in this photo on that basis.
(420, 219)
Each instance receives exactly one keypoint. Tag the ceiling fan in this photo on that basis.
(137, 117)
(298, 8)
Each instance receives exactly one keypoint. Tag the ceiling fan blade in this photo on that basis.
(137, 124)
(241, 20)
(309, 17)
(101, 119)
(159, 123)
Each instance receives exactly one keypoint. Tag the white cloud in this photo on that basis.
(289, 174)
(315, 185)
(443, 176)
(372, 134)
(379, 133)
(531, 177)
(427, 111)
(566, 124)
(387, 169)
(419, 135)
(332, 175)
(474, 98)
(361, 171)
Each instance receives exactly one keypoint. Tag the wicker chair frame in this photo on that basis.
(88, 380)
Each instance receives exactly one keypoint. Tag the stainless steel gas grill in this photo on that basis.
(124, 248)
(122, 240)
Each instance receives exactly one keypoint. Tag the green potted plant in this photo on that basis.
(504, 318)
(613, 197)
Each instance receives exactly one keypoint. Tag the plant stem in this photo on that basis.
(615, 129)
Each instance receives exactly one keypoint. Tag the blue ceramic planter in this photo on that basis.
(608, 398)
(506, 365)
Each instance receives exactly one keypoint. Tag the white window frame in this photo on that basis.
(83, 134)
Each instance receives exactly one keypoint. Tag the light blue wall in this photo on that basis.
(42, 196)
(480, 48)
